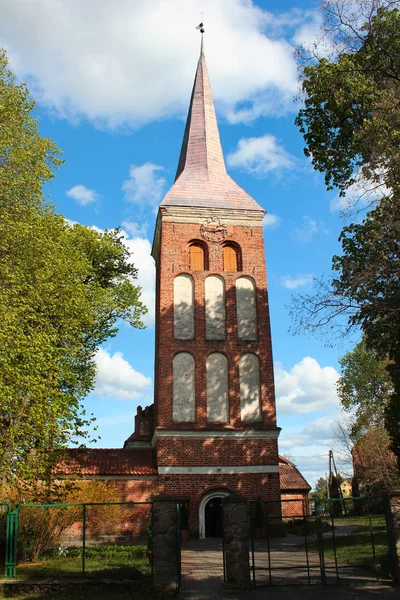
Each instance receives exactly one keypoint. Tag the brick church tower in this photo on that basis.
(214, 411)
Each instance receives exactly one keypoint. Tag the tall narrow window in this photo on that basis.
(184, 404)
(217, 388)
(196, 258)
(215, 308)
(249, 375)
(183, 307)
(246, 308)
(230, 258)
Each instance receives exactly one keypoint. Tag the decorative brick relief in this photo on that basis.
(249, 374)
(246, 308)
(217, 388)
(184, 402)
(215, 308)
(183, 307)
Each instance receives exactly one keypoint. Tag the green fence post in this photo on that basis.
(83, 539)
(11, 543)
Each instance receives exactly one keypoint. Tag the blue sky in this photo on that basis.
(112, 82)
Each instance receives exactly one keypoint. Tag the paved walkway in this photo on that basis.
(202, 579)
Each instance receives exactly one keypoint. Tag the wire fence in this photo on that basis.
(107, 540)
(335, 541)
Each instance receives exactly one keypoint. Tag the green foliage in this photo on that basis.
(368, 272)
(320, 490)
(27, 159)
(364, 387)
(351, 126)
(63, 288)
(351, 115)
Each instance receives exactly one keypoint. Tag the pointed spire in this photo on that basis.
(201, 178)
(201, 151)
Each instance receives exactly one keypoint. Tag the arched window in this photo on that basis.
(217, 388)
(246, 308)
(196, 257)
(249, 375)
(230, 258)
(183, 394)
(215, 308)
(183, 307)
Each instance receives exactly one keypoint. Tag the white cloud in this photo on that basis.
(260, 156)
(306, 232)
(82, 195)
(140, 249)
(135, 229)
(125, 63)
(306, 388)
(292, 282)
(144, 187)
(116, 378)
(270, 221)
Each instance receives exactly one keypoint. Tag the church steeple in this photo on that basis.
(201, 152)
(201, 178)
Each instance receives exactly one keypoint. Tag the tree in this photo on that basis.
(63, 289)
(351, 115)
(351, 126)
(364, 387)
(375, 465)
(320, 490)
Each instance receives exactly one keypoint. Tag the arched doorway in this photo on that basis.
(213, 518)
(210, 514)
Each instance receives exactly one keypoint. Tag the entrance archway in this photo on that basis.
(210, 518)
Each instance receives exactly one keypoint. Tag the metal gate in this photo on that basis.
(336, 541)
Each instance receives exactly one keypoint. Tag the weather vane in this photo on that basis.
(201, 27)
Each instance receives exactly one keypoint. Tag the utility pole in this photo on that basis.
(340, 489)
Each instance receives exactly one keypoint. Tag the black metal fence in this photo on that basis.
(333, 541)
(79, 540)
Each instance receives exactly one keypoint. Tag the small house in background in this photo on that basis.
(293, 487)
(346, 488)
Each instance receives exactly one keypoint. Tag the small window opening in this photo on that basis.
(196, 258)
(230, 259)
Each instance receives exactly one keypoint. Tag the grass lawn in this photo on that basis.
(122, 562)
(355, 548)
(98, 593)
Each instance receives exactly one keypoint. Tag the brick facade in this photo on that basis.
(236, 451)
(172, 261)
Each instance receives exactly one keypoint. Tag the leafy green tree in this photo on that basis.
(63, 289)
(320, 490)
(351, 126)
(27, 160)
(351, 114)
(365, 387)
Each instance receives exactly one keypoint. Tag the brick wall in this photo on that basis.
(250, 485)
(209, 452)
(173, 260)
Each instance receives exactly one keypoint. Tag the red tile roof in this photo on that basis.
(290, 477)
(108, 461)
